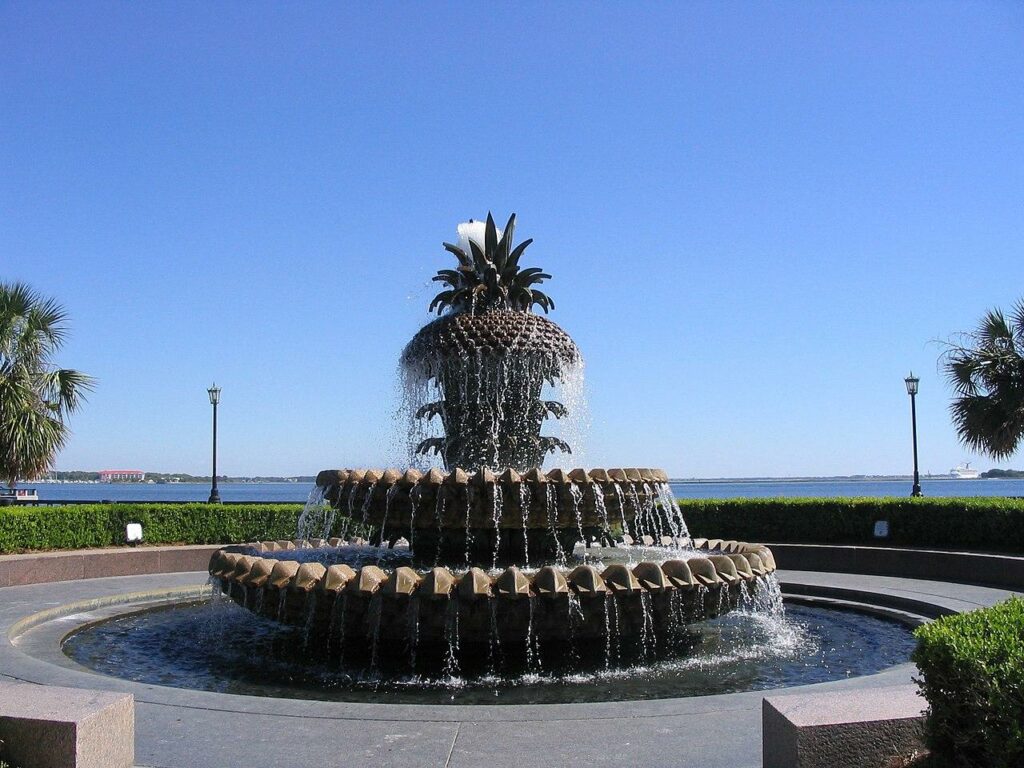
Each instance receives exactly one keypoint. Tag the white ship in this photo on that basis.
(964, 472)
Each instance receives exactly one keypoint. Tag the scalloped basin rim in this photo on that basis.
(726, 563)
(334, 477)
(369, 603)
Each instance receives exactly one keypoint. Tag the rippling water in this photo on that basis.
(221, 647)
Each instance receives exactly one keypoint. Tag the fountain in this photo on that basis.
(491, 551)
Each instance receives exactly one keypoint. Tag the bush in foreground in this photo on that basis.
(973, 677)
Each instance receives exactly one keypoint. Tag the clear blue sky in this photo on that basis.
(757, 215)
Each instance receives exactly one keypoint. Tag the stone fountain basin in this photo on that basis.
(560, 499)
(369, 603)
(487, 516)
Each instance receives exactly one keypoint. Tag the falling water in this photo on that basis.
(414, 631)
(599, 506)
(282, 595)
(622, 508)
(497, 506)
(577, 507)
(647, 627)
(531, 654)
(376, 609)
(367, 500)
(574, 427)
(307, 624)
(451, 631)
(524, 507)
(314, 513)
(490, 403)
(551, 504)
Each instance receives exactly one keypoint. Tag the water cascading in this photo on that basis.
(487, 555)
(488, 357)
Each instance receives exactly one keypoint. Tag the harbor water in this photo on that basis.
(688, 489)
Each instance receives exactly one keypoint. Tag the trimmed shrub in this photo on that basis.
(973, 523)
(968, 523)
(102, 525)
(973, 677)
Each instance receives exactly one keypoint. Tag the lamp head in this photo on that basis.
(911, 382)
(214, 393)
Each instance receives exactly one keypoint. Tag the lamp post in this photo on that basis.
(214, 393)
(912, 381)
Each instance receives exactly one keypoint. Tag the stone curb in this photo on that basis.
(73, 565)
(1006, 571)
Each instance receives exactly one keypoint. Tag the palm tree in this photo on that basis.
(36, 396)
(986, 368)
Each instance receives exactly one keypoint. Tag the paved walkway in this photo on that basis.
(177, 728)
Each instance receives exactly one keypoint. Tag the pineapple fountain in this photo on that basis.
(490, 556)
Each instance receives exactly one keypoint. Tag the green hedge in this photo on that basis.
(971, 523)
(101, 525)
(986, 524)
(973, 677)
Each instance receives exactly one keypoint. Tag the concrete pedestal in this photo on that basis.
(52, 727)
(854, 729)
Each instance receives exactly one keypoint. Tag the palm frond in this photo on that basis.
(985, 367)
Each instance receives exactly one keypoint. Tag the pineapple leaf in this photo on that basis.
(479, 259)
(441, 301)
(505, 245)
(450, 276)
(490, 238)
(513, 258)
(488, 276)
(460, 254)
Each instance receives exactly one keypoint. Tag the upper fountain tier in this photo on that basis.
(489, 356)
(486, 517)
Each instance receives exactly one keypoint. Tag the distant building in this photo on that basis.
(110, 475)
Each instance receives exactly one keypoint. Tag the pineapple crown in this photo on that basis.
(490, 277)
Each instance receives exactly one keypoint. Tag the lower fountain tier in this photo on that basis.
(505, 516)
(369, 604)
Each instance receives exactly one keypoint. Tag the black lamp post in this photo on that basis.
(214, 393)
(912, 382)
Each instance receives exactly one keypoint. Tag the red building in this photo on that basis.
(110, 475)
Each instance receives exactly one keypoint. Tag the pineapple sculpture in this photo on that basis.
(488, 356)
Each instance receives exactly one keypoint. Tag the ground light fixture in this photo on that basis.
(133, 533)
(214, 393)
(912, 381)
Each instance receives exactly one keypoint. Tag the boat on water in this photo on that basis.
(12, 495)
(964, 472)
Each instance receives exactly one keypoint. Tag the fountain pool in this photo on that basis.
(214, 645)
